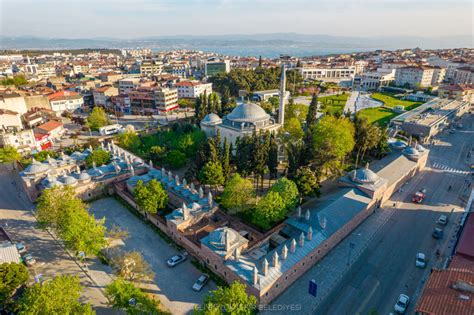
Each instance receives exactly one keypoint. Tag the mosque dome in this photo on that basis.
(36, 168)
(420, 148)
(248, 112)
(219, 237)
(399, 144)
(365, 176)
(84, 177)
(69, 181)
(211, 119)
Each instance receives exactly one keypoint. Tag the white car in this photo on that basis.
(402, 304)
(420, 261)
(443, 220)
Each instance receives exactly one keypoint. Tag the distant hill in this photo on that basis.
(269, 45)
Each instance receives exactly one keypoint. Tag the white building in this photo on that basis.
(65, 101)
(374, 80)
(103, 94)
(13, 101)
(464, 75)
(10, 120)
(328, 74)
(23, 141)
(42, 71)
(127, 85)
(193, 89)
(149, 68)
(414, 76)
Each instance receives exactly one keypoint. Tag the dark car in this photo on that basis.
(437, 233)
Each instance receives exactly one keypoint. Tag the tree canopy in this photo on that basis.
(229, 300)
(238, 195)
(98, 157)
(56, 297)
(9, 154)
(12, 276)
(131, 266)
(212, 174)
(16, 80)
(150, 197)
(288, 192)
(97, 118)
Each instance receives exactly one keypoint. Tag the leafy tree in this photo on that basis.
(157, 152)
(43, 155)
(306, 181)
(294, 129)
(59, 209)
(131, 266)
(367, 136)
(238, 195)
(9, 154)
(260, 156)
(120, 293)
(273, 157)
(212, 174)
(382, 147)
(130, 141)
(231, 300)
(16, 80)
(294, 152)
(97, 118)
(333, 139)
(226, 159)
(59, 296)
(12, 276)
(150, 197)
(270, 209)
(245, 155)
(288, 192)
(176, 159)
(99, 157)
(312, 111)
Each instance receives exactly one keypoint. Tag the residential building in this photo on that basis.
(153, 99)
(460, 92)
(370, 81)
(13, 101)
(110, 77)
(41, 71)
(179, 69)
(149, 68)
(192, 89)
(328, 74)
(10, 120)
(464, 75)
(65, 101)
(53, 129)
(103, 94)
(166, 99)
(23, 140)
(128, 84)
(411, 76)
(121, 103)
(212, 68)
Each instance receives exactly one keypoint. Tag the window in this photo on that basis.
(276, 286)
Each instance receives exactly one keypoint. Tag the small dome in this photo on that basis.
(137, 161)
(84, 176)
(420, 148)
(248, 112)
(365, 176)
(69, 180)
(399, 144)
(36, 167)
(410, 151)
(211, 119)
(219, 237)
(95, 172)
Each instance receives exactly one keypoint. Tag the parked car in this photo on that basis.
(200, 282)
(402, 304)
(420, 261)
(29, 260)
(437, 233)
(176, 259)
(21, 248)
(442, 220)
(419, 196)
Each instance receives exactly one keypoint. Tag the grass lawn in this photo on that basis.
(378, 115)
(390, 101)
(334, 103)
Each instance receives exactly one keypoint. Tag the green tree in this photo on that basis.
(120, 293)
(176, 159)
(131, 266)
(333, 139)
(156, 152)
(12, 276)
(294, 152)
(99, 157)
(226, 159)
(306, 181)
(367, 136)
(16, 80)
(270, 209)
(9, 154)
(273, 157)
(294, 129)
(238, 195)
(232, 300)
(130, 141)
(288, 192)
(97, 118)
(43, 155)
(212, 174)
(57, 297)
(150, 197)
(312, 111)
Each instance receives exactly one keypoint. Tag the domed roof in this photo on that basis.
(420, 148)
(36, 167)
(248, 112)
(399, 144)
(365, 176)
(219, 237)
(69, 180)
(211, 119)
(411, 151)
(84, 176)
(137, 161)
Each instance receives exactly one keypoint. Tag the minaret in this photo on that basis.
(281, 110)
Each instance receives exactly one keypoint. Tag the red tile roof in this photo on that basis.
(61, 95)
(50, 125)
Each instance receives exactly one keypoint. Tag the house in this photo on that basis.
(103, 94)
(62, 101)
(53, 129)
(192, 89)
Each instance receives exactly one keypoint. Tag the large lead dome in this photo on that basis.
(248, 112)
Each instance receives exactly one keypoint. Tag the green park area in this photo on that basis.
(334, 103)
(390, 101)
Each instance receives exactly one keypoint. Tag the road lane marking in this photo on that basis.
(366, 300)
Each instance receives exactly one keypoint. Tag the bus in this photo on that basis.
(110, 129)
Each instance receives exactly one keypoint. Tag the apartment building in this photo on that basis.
(371, 81)
(192, 89)
(414, 76)
(212, 68)
(460, 92)
(149, 68)
(464, 75)
(103, 94)
(153, 99)
(127, 85)
(41, 71)
(13, 101)
(328, 74)
(23, 140)
(177, 69)
(65, 101)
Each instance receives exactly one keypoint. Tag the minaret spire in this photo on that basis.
(281, 110)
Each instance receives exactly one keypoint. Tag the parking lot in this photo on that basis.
(172, 285)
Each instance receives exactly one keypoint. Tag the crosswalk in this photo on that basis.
(448, 169)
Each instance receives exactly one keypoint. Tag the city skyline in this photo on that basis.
(121, 19)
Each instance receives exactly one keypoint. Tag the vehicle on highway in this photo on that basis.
(402, 304)
(29, 260)
(419, 196)
(437, 233)
(200, 282)
(442, 220)
(420, 261)
(176, 259)
(21, 248)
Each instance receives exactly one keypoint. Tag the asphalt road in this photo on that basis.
(387, 267)
(52, 260)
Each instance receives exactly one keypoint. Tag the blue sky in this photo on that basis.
(138, 18)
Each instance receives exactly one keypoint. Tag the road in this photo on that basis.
(171, 285)
(387, 267)
(20, 224)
